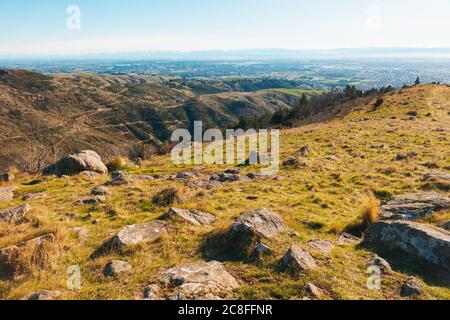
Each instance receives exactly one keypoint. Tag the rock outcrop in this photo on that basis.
(15, 215)
(414, 206)
(194, 217)
(421, 241)
(199, 281)
(85, 160)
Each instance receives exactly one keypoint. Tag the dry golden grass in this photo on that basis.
(118, 164)
(369, 214)
(172, 196)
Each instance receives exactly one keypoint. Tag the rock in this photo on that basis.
(200, 281)
(85, 160)
(297, 260)
(81, 232)
(432, 176)
(414, 206)
(348, 239)
(379, 262)
(44, 295)
(227, 177)
(11, 257)
(6, 177)
(232, 171)
(152, 292)
(323, 246)
(116, 267)
(261, 250)
(304, 151)
(252, 197)
(184, 176)
(446, 226)
(90, 175)
(291, 162)
(101, 191)
(314, 291)
(119, 178)
(195, 217)
(411, 287)
(260, 222)
(139, 233)
(6, 194)
(401, 156)
(420, 241)
(15, 215)
(33, 196)
(91, 201)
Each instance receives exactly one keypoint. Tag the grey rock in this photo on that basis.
(432, 176)
(414, 206)
(116, 267)
(15, 215)
(314, 291)
(304, 151)
(420, 241)
(195, 217)
(6, 194)
(199, 281)
(348, 239)
(33, 196)
(232, 171)
(119, 178)
(44, 295)
(91, 175)
(91, 201)
(262, 223)
(6, 177)
(297, 260)
(323, 246)
(411, 287)
(153, 293)
(85, 160)
(379, 262)
(227, 177)
(183, 176)
(101, 191)
(290, 162)
(139, 233)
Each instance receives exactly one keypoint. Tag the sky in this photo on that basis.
(48, 27)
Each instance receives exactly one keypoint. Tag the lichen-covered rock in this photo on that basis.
(6, 194)
(199, 281)
(119, 178)
(101, 191)
(414, 206)
(44, 295)
(91, 201)
(382, 264)
(262, 223)
(297, 260)
(194, 217)
(421, 241)
(15, 215)
(86, 160)
(323, 246)
(139, 233)
(116, 267)
(411, 287)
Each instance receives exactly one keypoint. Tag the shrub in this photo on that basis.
(369, 214)
(118, 164)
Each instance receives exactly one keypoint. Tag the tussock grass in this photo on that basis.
(172, 196)
(369, 214)
(118, 164)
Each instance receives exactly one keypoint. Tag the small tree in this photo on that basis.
(417, 81)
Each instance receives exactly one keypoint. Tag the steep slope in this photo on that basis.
(114, 114)
(351, 155)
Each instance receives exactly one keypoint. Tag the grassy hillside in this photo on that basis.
(352, 156)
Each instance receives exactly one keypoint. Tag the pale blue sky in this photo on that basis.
(39, 26)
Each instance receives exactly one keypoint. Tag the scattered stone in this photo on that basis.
(33, 196)
(15, 215)
(297, 260)
(348, 239)
(291, 162)
(431, 165)
(401, 156)
(116, 267)
(91, 175)
(252, 197)
(119, 178)
(6, 194)
(152, 292)
(6, 177)
(200, 281)
(432, 176)
(411, 287)
(420, 241)
(414, 206)
(323, 246)
(227, 177)
(314, 291)
(304, 151)
(85, 160)
(101, 191)
(195, 217)
(33, 182)
(184, 176)
(232, 171)
(379, 262)
(44, 295)
(261, 250)
(91, 201)
(139, 233)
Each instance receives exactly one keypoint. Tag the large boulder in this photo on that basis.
(421, 241)
(6, 194)
(414, 206)
(199, 281)
(15, 215)
(194, 217)
(85, 160)
(262, 223)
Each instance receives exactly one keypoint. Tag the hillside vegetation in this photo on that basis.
(353, 164)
